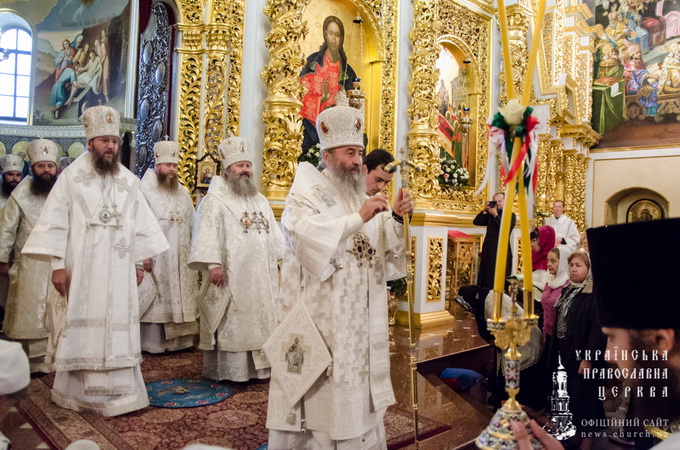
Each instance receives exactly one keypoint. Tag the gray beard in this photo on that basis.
(241, 186)
(353, 182)
(168, 183)
(104, 167)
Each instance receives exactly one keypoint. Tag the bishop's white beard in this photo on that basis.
(353, 182)
(241, 186)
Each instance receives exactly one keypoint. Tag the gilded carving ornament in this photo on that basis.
(435, 256)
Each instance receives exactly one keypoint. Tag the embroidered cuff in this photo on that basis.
(57, 263)
(213, 266)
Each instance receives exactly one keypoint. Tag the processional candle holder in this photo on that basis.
(404, 166)
(514, 123)
(510, 333)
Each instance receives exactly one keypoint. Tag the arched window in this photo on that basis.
(15, 74)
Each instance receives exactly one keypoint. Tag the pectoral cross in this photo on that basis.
(121, 248)
(175, 216)
(260, 222)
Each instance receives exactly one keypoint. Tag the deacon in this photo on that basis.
(338, 241)
(29, 279)
(374, 171)
(236, 245)
(93, 228)
(638, 308)
(12, 168)
(167, 295)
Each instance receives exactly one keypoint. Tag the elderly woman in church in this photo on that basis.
(576, 335)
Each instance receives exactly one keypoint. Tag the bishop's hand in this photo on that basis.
(372, 206)
(403, 204)
(217, 276)
(148, 265)
(61, 280)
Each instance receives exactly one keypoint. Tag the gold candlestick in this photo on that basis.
(514, 331)
(404, 166)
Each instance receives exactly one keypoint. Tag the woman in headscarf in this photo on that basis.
(542, 240)
(576, 337)
(558, 268)
(539, 249)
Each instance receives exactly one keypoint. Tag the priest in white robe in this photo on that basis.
(93, 228)
(339, 242)
(167, 295)
(29, 279)
(566, 232)
(236, 245)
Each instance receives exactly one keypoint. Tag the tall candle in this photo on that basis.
(505, 43)
(527, 268)
(504, 233)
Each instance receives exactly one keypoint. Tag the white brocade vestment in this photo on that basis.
(336, 265)
(241, 314)
(30, 279)
(98, 355)
(565, 228)
(4, 279)
(171, 287)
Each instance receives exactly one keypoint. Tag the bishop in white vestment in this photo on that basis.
(93, 228)
(168, 292)
(29, 279)
(11, 167)
(339, 242)
(236, 245)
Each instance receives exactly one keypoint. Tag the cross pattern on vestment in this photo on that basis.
(121, 248)
(121, 184)
(84, 177)
(175, 216)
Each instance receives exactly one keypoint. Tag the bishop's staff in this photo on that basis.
(404, 165)
(514, 135)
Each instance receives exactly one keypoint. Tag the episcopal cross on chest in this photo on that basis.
(256, 221)
(175, 216)
(260, 222)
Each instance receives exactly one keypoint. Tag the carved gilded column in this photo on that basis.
(281, 115)
(544, 183)
(578, 212)
(572, 187)
(423, 144)
(191, 64)
(217, 39)
(236, 30)
(519, 16)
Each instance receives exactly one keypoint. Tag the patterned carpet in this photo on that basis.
(237, 422)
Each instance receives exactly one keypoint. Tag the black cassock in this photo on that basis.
(488, 263)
